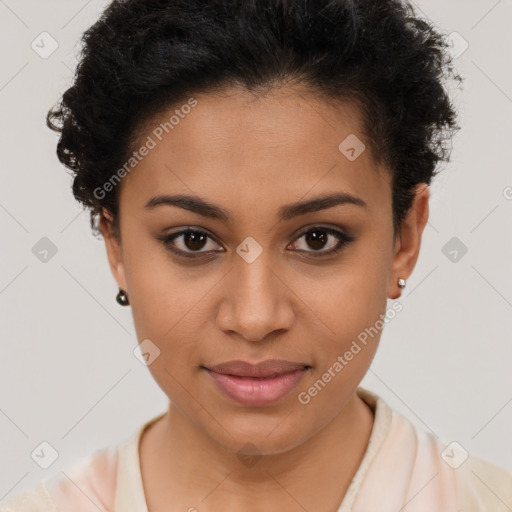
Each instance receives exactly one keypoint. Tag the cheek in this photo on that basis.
(349, 298)
(162, 293)
(171, 306)
(350, 304)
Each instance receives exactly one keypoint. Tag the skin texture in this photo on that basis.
(252, 156)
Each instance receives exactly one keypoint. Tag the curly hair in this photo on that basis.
(144, 56)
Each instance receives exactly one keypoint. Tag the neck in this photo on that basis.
(182, 465)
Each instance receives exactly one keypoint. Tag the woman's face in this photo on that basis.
(256, 285)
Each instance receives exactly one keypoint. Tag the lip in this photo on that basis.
(257, 384)
(267, 368)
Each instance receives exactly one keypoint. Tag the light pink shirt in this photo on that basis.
(404, 469)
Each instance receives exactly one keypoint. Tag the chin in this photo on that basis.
(250, 434)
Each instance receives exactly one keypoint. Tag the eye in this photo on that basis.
(192, 242)
(189, 242)
(319, 238)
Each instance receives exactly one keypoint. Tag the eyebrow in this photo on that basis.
(207, 209)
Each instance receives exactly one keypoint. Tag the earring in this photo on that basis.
(401, 283)
(122, 298)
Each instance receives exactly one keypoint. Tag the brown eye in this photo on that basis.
(316, 239)
(190, 241)
(194, 240)
(319, 238)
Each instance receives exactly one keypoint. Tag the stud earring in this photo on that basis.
(401, 283)
(122, 298)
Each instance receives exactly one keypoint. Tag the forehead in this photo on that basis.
(238, 148)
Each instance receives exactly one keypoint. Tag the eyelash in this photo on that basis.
(343, 240)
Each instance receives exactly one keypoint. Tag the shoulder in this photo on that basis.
(88, 485)
(438, 474)
(483, 486)
(476, 484)
(36, 499)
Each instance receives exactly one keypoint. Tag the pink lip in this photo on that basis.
(260, 384)
(267, 368)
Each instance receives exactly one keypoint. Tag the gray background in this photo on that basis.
(67, 372)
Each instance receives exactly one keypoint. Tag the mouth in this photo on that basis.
(257, 384)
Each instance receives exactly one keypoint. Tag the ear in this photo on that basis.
(113, 247)
(408, 242)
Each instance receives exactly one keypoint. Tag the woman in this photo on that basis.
(260, 174)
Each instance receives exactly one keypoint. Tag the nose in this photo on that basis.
(256, 302)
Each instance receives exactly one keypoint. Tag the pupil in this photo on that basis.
(194, 240)
(316, 240)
